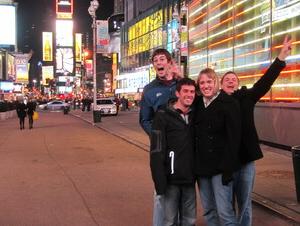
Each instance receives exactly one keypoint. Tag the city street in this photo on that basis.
(67, 172)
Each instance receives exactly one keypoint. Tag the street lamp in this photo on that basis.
(92, 11)
(34, 82)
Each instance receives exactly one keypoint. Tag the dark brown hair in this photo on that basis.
(161, 51)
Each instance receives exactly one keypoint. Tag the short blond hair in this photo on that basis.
(211, 74)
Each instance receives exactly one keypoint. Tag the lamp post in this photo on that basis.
(92, 11)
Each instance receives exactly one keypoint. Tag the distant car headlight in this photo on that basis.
(114, 108)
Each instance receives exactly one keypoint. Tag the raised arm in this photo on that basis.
(263, 85)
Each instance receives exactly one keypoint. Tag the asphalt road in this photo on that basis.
(66, 172)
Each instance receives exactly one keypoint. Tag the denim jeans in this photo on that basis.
(216, 200)
(243, 186)
(158, 210)
(180, 204)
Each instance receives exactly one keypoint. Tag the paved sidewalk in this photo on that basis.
(274, 184)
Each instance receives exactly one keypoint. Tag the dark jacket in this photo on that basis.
(217, 136)
(155, 95)
(171, 150)
(250, 149)
(31, 106)
(21, 110)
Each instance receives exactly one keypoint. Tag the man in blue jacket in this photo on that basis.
(155, 95)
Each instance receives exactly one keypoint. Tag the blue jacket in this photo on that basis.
(155, 95)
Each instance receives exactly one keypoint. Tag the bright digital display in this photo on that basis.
(47, 73)
(22, 66)
(47, 46)
(64, 33)
(8, 25)
(6, 86)
(64, 60)
(64, 9)
(78, 49)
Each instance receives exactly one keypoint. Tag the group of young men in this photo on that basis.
(166, 115)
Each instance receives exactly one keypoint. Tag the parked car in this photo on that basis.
(54, 105)
(107, 106)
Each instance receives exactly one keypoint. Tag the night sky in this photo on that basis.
(36, 16)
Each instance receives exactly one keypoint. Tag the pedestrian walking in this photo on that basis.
(155, 95)
(217, 136)
(250, 150)
(172, 157)
(21, 112)
(31, 106)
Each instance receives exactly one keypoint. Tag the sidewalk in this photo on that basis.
(274, 183)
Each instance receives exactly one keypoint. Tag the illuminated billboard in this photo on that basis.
(64, 33)
(7, 25)
(22, 66)
(47, 73)
(47, 46)
(78, 49)
(11, 73)
(64, 60)
(64, 9)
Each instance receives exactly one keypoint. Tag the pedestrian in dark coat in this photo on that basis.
(31, 107)
(172, 157)
(250, 149)
(217, 137)
(21, 112)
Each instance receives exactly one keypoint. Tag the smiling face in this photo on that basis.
(206, 86)
(186, 95)
(229, 83)
(162, 66)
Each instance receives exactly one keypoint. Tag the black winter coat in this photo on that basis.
(31, 106)
(21, 110)
(217, 136)
(250, 149)
(171, 150)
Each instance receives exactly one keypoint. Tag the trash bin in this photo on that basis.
(97, 116)
(66, 110)
(296, 165)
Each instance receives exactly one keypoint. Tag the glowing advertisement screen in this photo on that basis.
(11, 73)
(64, 60)
(47, 73)
(64, 8)
(7, 25)
(6, 86)
(47, 46)
(78, 50)
(64, 33)
(21, 64)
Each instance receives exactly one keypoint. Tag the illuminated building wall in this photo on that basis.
(245, 36)
(155, 28)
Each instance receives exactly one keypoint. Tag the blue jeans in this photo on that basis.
(243, 186)
(180, 199)
(216, 200)
(158, 210)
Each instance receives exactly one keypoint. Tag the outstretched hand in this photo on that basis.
(286, 48)
(175, 70)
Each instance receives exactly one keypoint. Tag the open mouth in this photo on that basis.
(160, 69)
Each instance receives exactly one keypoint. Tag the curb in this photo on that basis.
(257, 199)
